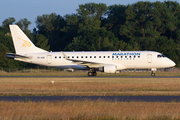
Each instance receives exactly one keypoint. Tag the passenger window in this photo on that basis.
(94, 56)
(121, 56)
(59, 56)
(77, 57)
(81, 56)
(55, 57)
(116, 56)
(68, 57)
(138, 56)
(125, 56)
(112, 56)
(134, 56)
(108, 56)
(99, 56)
(72, 56)
(90, 56)
(104, 56)
(86, 57)
(129, 56)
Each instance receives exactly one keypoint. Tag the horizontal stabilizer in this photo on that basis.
(14, 55)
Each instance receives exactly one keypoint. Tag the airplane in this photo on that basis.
(93, 61)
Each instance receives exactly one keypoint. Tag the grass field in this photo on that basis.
(30, 72)
(89, 110)
(89, 86)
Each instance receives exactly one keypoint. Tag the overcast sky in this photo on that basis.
(30, 9)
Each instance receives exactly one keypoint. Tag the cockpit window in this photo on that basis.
(159, 56)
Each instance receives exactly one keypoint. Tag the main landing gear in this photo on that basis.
(92, 72)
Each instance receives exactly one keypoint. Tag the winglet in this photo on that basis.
(64, 55)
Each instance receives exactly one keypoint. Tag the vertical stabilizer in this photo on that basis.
(22, 43)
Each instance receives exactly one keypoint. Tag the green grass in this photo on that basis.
(82, 73)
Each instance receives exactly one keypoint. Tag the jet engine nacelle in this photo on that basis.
(108, 69)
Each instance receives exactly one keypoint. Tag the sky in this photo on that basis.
(30, 9)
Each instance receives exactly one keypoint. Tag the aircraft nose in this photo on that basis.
(172, 64)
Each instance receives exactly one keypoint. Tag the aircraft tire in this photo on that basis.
(90, 74)
(94, 74)
(152, 74)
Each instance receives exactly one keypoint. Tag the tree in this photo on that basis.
(115, 19)
(24, 24)
(4, 62)
(91, 10)
(6, 40)
(140, 26)
(50, 26)
(42, 42)
(6, 23)
(137, 25)
(90, 34)
(94, 40)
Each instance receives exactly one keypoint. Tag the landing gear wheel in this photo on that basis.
(92, 74)
(152, 74)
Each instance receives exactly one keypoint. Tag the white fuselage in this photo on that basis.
(121, 59)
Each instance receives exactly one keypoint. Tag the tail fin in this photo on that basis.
(22, 43)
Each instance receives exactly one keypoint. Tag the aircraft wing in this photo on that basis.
(84, 63)
(14, 55)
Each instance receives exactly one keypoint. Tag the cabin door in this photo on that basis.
(49, 59)
(149, 58)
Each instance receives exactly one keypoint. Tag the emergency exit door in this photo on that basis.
(49, 59)
(149, 58)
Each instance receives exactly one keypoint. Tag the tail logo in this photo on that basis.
(26, 43)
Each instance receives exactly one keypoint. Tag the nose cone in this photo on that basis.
(172, 64)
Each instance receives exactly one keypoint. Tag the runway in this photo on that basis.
(94, 98)
(89, 77)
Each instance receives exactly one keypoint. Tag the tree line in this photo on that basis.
(146, 26)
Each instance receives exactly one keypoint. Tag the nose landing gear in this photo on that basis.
(152, 74)
(153, 70)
